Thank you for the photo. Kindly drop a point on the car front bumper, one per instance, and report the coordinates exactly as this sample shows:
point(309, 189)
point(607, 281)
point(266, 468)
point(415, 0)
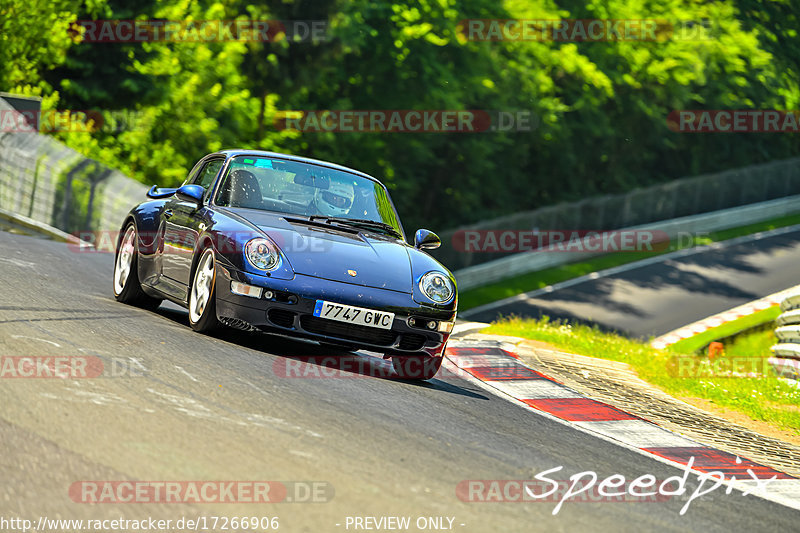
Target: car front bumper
point(290, 312)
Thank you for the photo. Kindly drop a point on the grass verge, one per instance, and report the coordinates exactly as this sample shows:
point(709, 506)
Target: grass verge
point(538, 280)
point(740, 380)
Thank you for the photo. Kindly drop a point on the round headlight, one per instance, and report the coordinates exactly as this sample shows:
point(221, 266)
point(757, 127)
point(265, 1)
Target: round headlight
point(262, 254)
point(437, 287)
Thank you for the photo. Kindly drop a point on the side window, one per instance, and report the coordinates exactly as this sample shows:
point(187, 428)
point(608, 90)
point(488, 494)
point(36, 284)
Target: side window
point(206, 176)
point(192, 174)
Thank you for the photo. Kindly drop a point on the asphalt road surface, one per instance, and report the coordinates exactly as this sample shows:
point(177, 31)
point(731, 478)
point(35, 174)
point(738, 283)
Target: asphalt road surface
point(656, 297)
point(180, 406)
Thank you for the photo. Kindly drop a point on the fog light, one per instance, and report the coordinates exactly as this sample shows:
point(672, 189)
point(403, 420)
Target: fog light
point(446, 327)
point(244, 289)
point(268, 295)
point(412, 321)
point(432, 324)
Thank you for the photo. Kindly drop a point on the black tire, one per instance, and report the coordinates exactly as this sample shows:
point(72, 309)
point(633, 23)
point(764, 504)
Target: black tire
point(416, 367)
point(127, 288)
point(203, 294)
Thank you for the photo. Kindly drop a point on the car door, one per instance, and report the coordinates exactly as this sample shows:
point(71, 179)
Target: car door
point(181, 221)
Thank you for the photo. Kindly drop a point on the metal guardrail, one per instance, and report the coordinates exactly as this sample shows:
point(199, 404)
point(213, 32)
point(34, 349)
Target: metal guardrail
point(791, 302)
point(787, 349)
point(789, 317)
point(523, 263)
point(788, 333)
point(675, 199)
point(46, 181)
point(786, 362)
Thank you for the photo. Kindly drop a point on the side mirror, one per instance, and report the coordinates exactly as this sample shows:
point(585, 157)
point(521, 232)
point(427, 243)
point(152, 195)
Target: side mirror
point(426, 240)
point(190, 193)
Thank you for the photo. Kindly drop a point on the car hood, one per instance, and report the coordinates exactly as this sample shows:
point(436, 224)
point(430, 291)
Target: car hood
point(333, 254)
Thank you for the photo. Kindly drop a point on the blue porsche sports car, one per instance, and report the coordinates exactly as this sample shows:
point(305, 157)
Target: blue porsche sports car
point(265, 241)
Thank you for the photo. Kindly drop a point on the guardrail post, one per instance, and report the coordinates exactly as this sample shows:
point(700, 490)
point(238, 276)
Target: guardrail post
point(786, 360)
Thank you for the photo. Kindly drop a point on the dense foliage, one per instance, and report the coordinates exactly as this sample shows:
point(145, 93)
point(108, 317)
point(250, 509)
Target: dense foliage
point(601, 107)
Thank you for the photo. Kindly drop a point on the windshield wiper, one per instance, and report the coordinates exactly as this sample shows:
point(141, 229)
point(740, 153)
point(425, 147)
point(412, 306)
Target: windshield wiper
point(361, 222)
point(309, 221)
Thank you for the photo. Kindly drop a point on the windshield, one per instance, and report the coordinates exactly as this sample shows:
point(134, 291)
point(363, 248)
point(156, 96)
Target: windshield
point(304, 189)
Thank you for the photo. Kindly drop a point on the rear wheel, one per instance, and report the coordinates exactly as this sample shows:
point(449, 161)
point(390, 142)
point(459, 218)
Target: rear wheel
point(202, 296)
point(127, 288)
point(416, 366)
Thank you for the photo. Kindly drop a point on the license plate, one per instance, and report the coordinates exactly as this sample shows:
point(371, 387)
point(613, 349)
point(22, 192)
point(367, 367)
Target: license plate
point(353, 315)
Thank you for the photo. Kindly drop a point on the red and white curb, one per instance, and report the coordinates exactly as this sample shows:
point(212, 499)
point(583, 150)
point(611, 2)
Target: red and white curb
point(496, 368)
point(717, 320)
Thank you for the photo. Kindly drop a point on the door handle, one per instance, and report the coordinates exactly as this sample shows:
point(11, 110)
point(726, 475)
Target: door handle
point(168, 213)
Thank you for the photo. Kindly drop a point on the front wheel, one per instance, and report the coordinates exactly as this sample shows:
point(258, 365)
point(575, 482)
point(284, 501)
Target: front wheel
point(421, 367)
point(202, 296)
point(127, 288)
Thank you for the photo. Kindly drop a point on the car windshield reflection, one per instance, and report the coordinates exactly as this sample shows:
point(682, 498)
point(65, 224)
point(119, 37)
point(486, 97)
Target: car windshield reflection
point(309, 190)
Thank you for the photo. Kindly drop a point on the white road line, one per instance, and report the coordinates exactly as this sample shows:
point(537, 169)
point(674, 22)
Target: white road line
point(184, 372)
point(627, 267)
point(18, 262)
point(36, 339)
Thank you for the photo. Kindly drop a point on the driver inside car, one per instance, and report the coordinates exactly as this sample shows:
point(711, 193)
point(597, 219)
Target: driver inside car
point(335, 201)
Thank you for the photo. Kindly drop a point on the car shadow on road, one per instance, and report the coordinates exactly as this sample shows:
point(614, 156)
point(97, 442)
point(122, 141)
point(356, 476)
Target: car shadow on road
point(305, 359)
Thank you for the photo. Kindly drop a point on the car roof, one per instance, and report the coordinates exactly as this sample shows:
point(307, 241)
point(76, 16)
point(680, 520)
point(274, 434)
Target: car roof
point(297, 158)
